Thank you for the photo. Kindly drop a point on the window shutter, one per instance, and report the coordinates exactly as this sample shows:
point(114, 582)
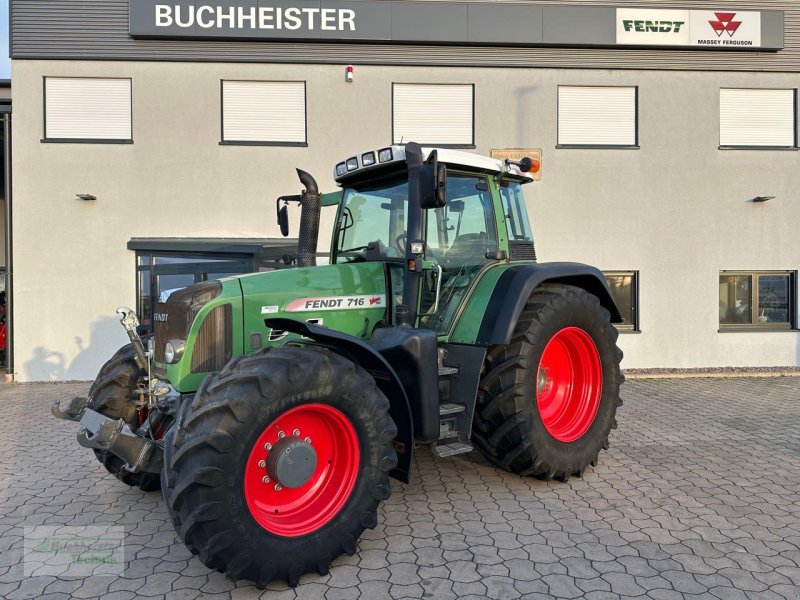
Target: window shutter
point(87, 109)
point(433, 114)
point(757, 117)
point(264, 111)
point(597, 116)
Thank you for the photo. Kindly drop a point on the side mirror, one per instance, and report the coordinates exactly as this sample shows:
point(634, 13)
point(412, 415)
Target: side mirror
point(434, 183)
point(283, 220)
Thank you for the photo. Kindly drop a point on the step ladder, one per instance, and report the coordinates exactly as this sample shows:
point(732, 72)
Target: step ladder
point(452, 438)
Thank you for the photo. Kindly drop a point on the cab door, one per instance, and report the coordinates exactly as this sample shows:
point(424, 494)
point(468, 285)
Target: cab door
point(458, 238)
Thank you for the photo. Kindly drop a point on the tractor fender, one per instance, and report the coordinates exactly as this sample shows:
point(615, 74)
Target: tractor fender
point(376, 365)
point(518, 282)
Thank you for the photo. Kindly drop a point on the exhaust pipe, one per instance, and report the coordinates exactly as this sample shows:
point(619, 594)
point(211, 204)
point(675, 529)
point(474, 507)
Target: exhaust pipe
point(311, 203)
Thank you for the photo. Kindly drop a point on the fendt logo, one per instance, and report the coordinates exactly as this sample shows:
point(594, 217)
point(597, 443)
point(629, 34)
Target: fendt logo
point(643, 26)
point(725, 24)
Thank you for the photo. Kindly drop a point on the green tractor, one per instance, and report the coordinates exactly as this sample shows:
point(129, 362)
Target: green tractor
point(272, 408)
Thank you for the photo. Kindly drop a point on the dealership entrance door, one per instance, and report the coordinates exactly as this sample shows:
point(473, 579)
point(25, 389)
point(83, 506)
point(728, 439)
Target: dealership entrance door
point(168, 264)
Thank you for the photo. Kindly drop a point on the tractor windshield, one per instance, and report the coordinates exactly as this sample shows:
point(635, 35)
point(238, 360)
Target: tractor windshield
point(458, 236)
point(373, 215)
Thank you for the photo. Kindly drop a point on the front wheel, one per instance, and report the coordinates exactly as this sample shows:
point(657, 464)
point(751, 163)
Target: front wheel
point(547, 401)
point(279, 463)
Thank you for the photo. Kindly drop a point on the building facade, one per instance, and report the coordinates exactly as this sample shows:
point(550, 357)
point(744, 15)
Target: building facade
point(668, 134)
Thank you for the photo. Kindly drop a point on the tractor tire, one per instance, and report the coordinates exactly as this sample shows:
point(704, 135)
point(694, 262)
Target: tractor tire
point(247, 513)
point(112, 395)
point(547, 401)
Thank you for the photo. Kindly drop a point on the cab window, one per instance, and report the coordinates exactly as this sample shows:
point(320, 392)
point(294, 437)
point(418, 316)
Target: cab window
point(458, 237)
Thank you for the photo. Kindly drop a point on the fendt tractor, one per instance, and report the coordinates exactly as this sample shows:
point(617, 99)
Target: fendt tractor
point(272, 408)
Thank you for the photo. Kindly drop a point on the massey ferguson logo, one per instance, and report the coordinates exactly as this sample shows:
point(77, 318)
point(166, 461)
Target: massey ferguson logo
point(725, 24)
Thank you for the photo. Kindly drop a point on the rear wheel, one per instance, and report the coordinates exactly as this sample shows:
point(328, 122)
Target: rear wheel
point(113, 394)
point(279, 463)
point(547, 401)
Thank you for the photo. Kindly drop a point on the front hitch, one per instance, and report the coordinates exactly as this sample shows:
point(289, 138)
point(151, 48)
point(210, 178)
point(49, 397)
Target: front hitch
point(71, 410)
point(113, 435)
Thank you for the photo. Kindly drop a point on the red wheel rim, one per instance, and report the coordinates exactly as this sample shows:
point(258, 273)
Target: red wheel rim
point(569, 383)
point(292, 512)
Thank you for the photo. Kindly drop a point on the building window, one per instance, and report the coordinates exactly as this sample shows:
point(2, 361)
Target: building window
point(761, 300)
point(267, 113)
point(597, 117)
point(751, 118)
point(83, 109)
point(437, 115)
point(624, 286)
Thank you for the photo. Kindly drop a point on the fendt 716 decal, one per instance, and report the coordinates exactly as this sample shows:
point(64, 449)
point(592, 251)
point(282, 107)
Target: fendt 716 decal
point(336, 303)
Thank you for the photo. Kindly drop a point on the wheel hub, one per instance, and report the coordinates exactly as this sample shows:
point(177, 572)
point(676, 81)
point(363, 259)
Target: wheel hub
point(291, 462)
point(302, 469)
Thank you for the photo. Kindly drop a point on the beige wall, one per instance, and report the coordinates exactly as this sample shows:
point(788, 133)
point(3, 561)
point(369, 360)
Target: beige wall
point(676, 210)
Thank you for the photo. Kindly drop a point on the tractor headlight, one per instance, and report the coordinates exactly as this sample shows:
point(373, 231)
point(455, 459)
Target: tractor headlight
point(173, 351)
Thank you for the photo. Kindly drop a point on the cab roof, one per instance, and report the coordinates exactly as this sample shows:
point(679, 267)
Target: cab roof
point(371, 162)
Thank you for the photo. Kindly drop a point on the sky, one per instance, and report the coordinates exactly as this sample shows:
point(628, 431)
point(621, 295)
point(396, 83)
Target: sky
point(5, 62)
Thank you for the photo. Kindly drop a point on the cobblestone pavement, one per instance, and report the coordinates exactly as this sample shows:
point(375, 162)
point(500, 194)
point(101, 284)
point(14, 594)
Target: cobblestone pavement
point(699, 496)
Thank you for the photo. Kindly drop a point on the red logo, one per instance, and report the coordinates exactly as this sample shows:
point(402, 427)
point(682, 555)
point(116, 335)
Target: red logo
point(374, 301)
point(725, 24)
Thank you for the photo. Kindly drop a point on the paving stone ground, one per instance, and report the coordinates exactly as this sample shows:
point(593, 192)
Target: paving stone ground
point(699, 496)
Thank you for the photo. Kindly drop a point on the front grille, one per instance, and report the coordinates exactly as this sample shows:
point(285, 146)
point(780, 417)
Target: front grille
point(173, 318)
point(170, 324)
point(522, 250)
point(213, 346)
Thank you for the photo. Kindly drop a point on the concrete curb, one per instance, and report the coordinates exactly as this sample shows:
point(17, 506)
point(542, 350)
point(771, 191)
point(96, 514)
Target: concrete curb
point(711, 375)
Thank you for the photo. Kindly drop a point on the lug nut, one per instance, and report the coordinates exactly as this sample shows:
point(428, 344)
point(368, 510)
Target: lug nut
point(296, 433)
point(267, 446)
point(278, 487)
point(265, 479)
point(307, 440)
point(281, 435)
point(262, 464)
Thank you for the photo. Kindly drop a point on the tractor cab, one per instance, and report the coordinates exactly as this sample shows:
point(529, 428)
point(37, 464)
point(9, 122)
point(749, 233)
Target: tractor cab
point(473, 217)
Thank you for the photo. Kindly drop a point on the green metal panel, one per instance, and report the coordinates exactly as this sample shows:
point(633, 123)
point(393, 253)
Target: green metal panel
point(350, 298)
point(469, 321)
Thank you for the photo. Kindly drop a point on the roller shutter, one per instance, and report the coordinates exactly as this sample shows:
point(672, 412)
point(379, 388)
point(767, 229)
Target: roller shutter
point(597, 116)
point(757, 117)
point(80, 108)
point(438, 114)
point(264, 112)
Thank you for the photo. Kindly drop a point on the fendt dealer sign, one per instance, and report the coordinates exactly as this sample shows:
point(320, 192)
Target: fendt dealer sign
point(464, 23)
point(715, 29)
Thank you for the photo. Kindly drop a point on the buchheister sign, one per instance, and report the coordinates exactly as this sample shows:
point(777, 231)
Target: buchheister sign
point(709, 28)
point(466, 23)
